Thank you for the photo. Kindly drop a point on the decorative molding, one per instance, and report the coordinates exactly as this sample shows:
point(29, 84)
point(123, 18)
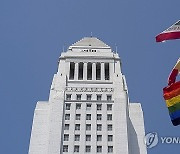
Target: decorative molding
point(88, 89)
point(91, 81)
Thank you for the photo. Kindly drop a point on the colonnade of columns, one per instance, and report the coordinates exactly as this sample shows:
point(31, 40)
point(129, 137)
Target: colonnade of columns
point(89, 71)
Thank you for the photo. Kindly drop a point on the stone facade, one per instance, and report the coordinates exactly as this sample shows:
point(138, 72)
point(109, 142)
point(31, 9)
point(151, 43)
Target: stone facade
point(88, 109)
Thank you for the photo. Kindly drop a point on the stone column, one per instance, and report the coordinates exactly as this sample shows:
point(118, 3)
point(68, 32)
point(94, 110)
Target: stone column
point(102, 72)
point(85, 71)
point(111, 71)
point(93, 71)
point(76, 71)
point(68, 69)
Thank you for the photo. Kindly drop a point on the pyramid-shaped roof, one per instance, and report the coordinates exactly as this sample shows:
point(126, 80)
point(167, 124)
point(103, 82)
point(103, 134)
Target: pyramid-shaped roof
point(90, 42)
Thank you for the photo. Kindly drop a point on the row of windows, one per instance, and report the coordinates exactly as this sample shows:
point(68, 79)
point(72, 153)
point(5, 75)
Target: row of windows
point(88, 117)
point(89, 71)
point(88, 148)
point(88, 106)
point(88, 137)
point(88, 127)
point(89, 97)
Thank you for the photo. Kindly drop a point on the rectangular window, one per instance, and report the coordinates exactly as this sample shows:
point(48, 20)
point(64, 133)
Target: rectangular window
point(89, 71)
point(65, 148)
point(76, 148)
point(99, 106)
point(106, 71)
point(77, 126)
point(88, 97)
point(98, 71)
point(77, 137)
point(109, 127)
point(78, 117)
point(99, 137)
point(66, 137)
point(66, 127)
point(68, 96)
point(99, 127)
point(71, 73)
point(68, 106)
point(99, 97)
point(99, 116)
point(80, 71)
point(88, 116)
point(110, 138)
point(88, 137)
point(78, 97)
point(67, 116)
point(88, 106)
point(109, 107)
point(88, 148)
point(78, 106)
point(109, 97)
point(110, 149)
point(99, 149)
point(109, 117)
point(88, 126)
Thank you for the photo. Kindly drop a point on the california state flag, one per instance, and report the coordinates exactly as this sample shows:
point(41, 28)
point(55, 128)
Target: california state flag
point(172, 32)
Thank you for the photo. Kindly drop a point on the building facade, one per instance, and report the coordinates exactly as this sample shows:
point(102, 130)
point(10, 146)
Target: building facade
point(88, 111)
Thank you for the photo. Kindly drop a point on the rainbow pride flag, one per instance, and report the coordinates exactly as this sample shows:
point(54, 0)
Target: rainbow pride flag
point(172, 98)
point(171, 95)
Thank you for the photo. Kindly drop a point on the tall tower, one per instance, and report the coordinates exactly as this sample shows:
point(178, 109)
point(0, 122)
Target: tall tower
point(88, 111)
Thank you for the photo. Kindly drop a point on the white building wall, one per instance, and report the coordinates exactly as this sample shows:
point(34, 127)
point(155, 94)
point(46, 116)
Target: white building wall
point(127, 122)
point(136, 129)
point(56, 119)
point(40, 129)
point(120, 115)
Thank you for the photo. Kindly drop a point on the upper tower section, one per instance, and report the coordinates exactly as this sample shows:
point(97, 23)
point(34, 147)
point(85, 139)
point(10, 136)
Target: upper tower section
point(90, 59)
point(89, 47)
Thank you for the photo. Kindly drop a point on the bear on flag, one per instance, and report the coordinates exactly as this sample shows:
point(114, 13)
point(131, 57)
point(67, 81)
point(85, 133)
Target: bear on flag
point(171, 33)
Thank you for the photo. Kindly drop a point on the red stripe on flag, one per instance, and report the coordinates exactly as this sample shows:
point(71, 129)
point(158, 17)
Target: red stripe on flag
point(172, 87)
point(171, 94)
point(168, 36)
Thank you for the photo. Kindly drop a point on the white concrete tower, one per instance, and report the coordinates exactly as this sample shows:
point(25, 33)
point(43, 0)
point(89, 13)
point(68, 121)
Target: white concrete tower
point(88, 111)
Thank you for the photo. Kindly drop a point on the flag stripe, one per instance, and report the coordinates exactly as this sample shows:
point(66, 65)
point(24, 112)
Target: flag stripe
point(176, 122)
point(175, 115)
point(174, 108)
point(172, 94)
point(167, 36)
point(172, 87)
point(172, 101)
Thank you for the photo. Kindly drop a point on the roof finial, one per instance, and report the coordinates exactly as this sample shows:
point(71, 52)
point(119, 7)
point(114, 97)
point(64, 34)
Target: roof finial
point(116, 47)
point(91, 34)
point(63, 47)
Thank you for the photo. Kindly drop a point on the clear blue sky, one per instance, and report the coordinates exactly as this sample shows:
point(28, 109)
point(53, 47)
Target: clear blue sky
point(32, 35)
